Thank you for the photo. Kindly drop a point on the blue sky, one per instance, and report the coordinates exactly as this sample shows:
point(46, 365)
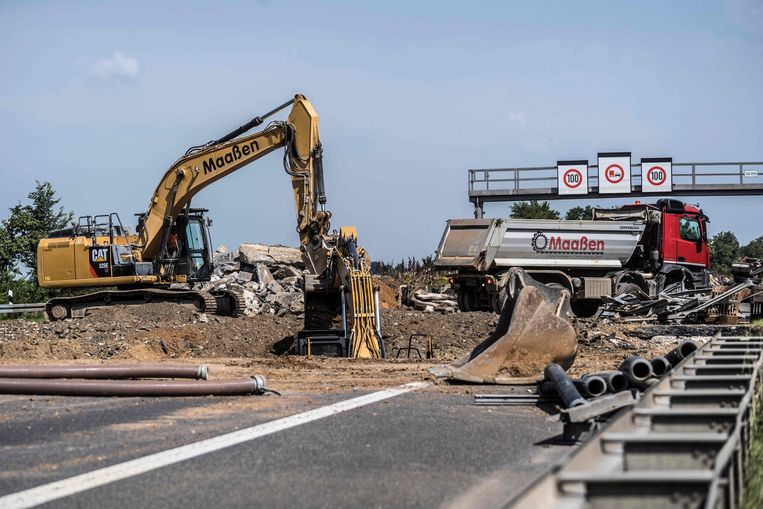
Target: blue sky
point(100, 98)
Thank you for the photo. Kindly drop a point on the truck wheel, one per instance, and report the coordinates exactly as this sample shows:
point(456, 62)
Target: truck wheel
point(626, 288)
point(557, 286)
point(584, 308)
point(465, 301)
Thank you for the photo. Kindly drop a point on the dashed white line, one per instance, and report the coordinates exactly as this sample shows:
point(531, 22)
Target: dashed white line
point(83, 482)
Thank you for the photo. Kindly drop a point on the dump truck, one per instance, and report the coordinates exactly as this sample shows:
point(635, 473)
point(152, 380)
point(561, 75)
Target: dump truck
point(646, 247)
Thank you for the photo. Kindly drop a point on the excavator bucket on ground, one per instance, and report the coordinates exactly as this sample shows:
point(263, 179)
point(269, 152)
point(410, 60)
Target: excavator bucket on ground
point(533, 330)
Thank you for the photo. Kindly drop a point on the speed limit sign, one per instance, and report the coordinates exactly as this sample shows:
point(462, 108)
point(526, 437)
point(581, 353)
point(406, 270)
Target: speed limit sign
point(656, 175)
point(572, 177)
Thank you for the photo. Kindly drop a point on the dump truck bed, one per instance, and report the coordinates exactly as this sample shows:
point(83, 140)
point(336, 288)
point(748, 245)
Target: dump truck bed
point(482, 244)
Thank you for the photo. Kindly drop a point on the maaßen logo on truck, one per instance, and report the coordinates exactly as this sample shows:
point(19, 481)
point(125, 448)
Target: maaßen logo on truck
point(556, 244)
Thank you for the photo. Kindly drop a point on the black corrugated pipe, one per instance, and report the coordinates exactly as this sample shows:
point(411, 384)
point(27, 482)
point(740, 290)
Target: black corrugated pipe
point(616, 380)
point(636, 369)
point(644, 385)
point(107, 371)
point(42, 387)
point(589, 386)
point(680, 352)
point(660, 366)
point(564, 386)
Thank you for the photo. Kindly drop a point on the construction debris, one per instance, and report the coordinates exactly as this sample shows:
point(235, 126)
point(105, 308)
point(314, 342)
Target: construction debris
point(421, 338)
point(677, 304)
point(748, 268)
point(428, 301)
point(634, 373)
point(587, 402)
point(270, 278)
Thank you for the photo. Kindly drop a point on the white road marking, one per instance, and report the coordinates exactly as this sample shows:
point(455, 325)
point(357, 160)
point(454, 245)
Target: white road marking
point(83, 482)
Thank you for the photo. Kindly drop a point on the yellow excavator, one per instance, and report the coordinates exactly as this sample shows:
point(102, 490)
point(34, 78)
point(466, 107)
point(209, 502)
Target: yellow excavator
point(171, 246)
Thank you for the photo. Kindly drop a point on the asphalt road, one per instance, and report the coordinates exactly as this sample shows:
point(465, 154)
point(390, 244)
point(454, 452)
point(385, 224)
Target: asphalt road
point(427, 448)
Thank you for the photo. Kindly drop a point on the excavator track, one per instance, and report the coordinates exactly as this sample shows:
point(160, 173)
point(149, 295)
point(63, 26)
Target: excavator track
point(210, 302)
point(60, 308)
point(229, 302)
point(240, 303)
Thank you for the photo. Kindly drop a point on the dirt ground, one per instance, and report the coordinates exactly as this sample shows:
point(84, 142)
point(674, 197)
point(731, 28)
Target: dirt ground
point(258, 344)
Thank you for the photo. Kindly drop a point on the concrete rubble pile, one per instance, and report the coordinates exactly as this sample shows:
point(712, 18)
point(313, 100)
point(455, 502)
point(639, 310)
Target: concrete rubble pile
point(427, 301)
point(269, 277)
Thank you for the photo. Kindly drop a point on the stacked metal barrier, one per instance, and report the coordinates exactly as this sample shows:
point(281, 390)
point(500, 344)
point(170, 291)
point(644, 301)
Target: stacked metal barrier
point(684, 444)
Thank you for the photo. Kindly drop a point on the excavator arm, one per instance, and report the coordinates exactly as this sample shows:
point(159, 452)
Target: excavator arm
point(205, 164)
point(337, 265)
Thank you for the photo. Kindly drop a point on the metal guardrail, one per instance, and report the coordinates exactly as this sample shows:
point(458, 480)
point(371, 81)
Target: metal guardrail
point(9, 309)
point(540, 182)
point(685, 444)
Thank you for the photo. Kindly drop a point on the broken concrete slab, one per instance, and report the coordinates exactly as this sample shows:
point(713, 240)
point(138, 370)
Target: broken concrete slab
point(264, 276)
point(291, 301)
point(275, 287)
point(270, 255)
point(243, 277)
point(295, 281)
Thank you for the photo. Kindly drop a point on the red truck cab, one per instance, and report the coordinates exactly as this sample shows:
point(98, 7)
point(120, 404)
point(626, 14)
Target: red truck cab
point(684, 237)
point(678, 240)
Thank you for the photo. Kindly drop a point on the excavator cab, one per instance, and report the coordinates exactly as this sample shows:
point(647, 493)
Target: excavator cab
point(186, 250)
point(194, 245)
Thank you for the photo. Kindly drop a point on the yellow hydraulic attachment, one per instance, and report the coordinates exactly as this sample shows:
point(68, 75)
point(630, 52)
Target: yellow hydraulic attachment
point(364, 340)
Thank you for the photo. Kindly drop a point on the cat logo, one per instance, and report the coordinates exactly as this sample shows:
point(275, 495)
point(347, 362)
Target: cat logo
point(99, 254)
point(99, 261)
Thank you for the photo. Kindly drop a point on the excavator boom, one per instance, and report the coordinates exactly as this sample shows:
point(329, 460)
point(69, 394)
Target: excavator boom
point(207, 164)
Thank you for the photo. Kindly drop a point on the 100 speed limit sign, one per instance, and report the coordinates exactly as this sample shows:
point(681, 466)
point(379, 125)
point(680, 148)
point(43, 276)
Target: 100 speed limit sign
point(656, 175)
point(572, 177)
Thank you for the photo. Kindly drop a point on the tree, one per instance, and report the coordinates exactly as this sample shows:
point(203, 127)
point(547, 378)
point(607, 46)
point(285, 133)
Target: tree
point(7, 250)
point(724, 249)
point(579, 213)
point(533, 210)
point(754, 249)
point(26, 225)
